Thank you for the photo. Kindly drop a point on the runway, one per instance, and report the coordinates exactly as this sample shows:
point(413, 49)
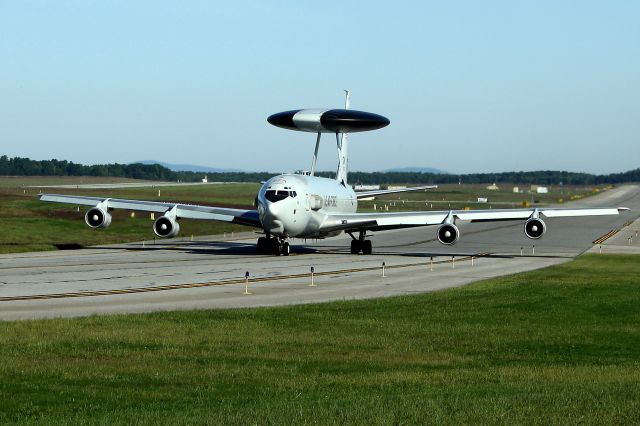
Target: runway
point(209, 272)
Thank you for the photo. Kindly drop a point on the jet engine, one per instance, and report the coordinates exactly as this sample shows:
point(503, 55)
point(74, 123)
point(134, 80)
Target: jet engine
point(448, 233)
point(166, 227)
point(534, 228)
point(97, 218)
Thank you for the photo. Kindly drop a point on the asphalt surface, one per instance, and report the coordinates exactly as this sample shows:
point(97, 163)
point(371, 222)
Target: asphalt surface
point(210, 272)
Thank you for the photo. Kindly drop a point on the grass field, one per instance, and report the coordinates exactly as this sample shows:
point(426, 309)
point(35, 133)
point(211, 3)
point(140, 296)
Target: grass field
point(30, 225)
point(554, 346)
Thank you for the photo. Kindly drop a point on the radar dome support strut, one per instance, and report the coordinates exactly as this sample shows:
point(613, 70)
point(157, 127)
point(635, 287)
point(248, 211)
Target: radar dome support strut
point(315, 155)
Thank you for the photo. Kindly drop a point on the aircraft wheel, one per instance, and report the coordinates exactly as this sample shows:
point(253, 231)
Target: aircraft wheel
point(263, 245)
point(276, 247)
point(367, 247)
point(286, 249)
point(355, 247)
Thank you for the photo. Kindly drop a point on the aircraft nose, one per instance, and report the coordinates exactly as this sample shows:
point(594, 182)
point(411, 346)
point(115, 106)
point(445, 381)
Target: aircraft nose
point(274, 210)
point(272, 219)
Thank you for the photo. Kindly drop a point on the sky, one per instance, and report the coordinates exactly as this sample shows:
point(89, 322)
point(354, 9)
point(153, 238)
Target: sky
point(469, 86)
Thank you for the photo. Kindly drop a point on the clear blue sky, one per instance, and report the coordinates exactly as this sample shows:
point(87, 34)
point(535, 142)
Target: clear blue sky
point(469, 86)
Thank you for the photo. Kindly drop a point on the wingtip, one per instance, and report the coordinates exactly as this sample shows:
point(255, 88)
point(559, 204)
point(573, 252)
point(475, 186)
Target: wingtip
point(623, 209)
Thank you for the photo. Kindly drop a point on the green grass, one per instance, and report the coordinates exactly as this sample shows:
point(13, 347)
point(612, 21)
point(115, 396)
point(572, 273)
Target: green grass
point(554, 346)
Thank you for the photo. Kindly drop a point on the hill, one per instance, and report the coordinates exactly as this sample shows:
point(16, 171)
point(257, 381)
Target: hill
point(187, 167)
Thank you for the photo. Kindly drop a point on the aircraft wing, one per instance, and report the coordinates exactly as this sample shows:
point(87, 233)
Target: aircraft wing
point(383, 221)
point(187, 211)
point(367, 194)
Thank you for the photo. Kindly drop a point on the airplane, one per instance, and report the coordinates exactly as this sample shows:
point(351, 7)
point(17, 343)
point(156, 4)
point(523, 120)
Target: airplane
point(303, 205)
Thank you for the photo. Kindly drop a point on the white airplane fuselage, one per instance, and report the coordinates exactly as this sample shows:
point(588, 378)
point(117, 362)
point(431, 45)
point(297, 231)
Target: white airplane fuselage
point(292, 205)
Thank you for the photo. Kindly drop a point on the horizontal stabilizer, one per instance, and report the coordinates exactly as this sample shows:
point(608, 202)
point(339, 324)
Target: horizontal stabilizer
point(376, 193)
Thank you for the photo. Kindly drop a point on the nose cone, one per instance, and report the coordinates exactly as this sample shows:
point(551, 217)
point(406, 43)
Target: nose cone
point(283, 119)
point(272, 220)
point(349, 121)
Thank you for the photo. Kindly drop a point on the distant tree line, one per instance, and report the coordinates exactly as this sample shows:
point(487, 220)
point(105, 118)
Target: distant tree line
point(17, 166)
point(542, 177)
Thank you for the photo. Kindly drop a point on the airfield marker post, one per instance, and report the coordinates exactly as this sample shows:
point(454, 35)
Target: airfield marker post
point(533, 251)
point(521, 251)
point(471, 260)
point(312, 273)
point(453, 262)
point(600, 248)
point(246, 283)
point(383, 265)
point(431, 264)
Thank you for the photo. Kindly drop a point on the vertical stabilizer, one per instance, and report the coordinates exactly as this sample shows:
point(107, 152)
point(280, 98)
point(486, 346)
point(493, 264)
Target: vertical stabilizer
point(342, 140)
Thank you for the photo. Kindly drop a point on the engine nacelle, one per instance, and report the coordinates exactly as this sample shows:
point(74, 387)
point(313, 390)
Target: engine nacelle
point(166, 227)
point(448, 233)
point(97, 218)
point(534, 228)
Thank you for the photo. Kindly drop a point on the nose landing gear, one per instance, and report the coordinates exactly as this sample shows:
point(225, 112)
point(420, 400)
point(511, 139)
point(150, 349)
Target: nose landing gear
point(275, 245)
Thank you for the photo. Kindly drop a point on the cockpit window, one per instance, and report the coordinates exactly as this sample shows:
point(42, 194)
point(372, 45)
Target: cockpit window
point(275, 196)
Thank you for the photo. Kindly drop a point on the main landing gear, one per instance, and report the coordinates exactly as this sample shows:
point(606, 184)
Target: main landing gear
point(275, 245)
point(360, 244)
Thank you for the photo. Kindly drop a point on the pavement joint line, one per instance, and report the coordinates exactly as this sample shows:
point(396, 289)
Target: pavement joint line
point(221, 283)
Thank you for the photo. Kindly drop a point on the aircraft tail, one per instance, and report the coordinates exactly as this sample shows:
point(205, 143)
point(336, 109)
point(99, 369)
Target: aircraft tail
point(342, 140)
